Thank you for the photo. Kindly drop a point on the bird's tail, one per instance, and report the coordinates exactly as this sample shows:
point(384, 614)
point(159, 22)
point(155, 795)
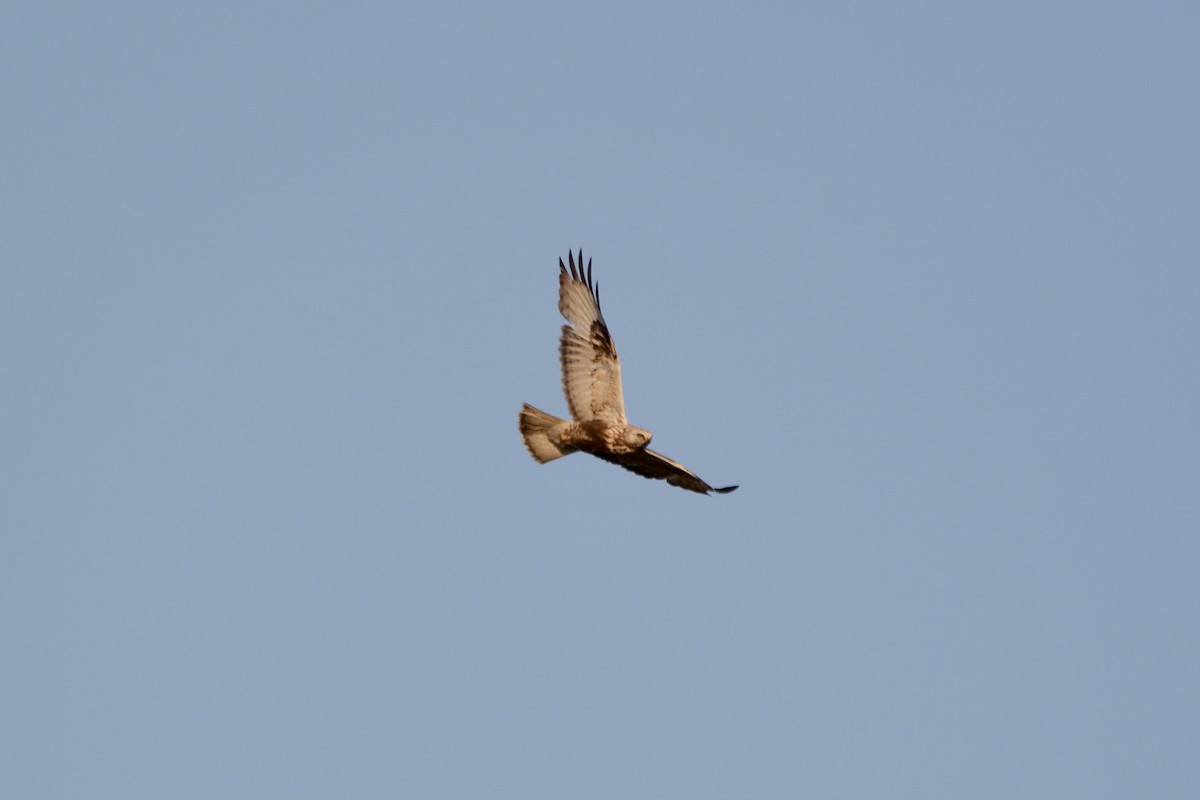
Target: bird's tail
point(541, 433)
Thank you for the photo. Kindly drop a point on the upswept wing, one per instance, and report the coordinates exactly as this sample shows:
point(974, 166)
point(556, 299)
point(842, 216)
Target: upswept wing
point(591, 372)
point(650, 464)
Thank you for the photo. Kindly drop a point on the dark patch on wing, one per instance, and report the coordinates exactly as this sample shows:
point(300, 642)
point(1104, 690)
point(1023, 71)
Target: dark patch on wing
point(650, 464)
point(601, 339)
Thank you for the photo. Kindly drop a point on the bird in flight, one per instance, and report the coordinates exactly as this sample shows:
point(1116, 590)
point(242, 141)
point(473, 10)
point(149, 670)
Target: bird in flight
point(591, 376)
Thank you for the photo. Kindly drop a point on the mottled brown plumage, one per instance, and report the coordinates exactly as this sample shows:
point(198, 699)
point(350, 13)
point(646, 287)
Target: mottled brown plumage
point(591, 377)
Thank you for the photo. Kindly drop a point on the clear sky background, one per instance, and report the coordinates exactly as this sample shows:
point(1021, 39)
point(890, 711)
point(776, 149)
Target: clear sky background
point(923, 278)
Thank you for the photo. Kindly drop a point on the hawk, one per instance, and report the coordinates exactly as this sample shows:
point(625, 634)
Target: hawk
point(591, 376)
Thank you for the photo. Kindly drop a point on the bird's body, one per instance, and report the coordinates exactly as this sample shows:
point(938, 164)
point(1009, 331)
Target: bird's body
point(591, 374)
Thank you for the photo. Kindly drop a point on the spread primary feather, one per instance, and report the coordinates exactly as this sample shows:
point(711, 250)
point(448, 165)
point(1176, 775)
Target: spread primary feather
point(591, 377)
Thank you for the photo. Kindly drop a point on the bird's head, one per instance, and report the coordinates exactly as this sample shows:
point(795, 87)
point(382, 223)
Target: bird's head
point(637, 438)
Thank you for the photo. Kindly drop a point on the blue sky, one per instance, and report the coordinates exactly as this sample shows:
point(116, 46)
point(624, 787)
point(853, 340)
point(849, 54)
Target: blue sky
point(923, 279)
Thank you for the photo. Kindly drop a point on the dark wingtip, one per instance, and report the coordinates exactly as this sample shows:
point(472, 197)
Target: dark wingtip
point(725, 489)
point(575, 275)
point(579, 272)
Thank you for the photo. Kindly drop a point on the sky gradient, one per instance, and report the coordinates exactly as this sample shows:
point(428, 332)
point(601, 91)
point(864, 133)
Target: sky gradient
point(924, 280)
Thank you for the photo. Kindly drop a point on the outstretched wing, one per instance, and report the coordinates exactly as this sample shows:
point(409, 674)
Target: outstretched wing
point(591, 373)
point(655, 465)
